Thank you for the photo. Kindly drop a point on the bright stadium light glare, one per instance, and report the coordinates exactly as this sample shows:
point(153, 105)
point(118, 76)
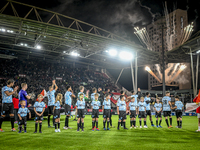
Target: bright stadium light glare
point(147, 68)
point(3, 30)
point(38, 47)
point(112, 52)
point(21, 44)
point(183, 67)
point(25, 44)
point(126, 55)
point(75, 54)
point(64, 51)
point(198, 51)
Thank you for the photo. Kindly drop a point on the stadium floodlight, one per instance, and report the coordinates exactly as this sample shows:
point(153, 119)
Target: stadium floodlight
point(25, 44)
point(198, 52)
point(125, 55)
point(21, 44)
point(3, 30)
point(38, 47)
point(64, 51)
point(75, 54)
point(112, 52)
point(147, 68)
point(183, 67)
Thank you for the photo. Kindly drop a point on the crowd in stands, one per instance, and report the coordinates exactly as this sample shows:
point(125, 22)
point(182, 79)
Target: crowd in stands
point(38, 74)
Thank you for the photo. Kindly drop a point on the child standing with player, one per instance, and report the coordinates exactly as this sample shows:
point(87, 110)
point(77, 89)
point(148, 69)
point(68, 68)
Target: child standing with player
point(39, 108)
point(133, 112)
point(142, 112)
point(95, 111)
point(178, 108)
point(106, 111)
point(22, 114)
point(56, 111)
point(80, 112)
point(158, 109)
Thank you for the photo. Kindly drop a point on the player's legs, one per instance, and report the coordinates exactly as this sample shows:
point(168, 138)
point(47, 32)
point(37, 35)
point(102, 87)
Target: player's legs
point(12, 120)
point(20, 126)
point(166, 119)
point(150, 118)
point(160, 122)
point(93, 123)
point(119, 121)
point(96, 120)
point(140, 120)
point(134, 122)
point(40, 127)
point(177, 122)
point(1, 121)
point(108, 122)
point(82, 126)
point(170, 119)
point(104, 123)
point(157, 121)
point(145, 123)
point(124, 124)
point(180, 120)
point(36, 125)
point(78, 124)
point(55, 124)
point(49, 115)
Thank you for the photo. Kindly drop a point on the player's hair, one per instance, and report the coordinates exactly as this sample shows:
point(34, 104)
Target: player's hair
point(59, 98)
point(121, 96)
point(132, 91)
point(96, 94)
point(157, 98)
point(108, 89)
point(10, 81)
point(132, 98)
point(147, 93)
point(121, 92)
point(81, 87)
point(21, 101)
point(50, 87)
point(167, 92)
point(141, 98)
point(177, 96)
point(39, 95)
point(23, 84)
point(68, 87)
point(106, 95)
point(94, 89)
point(81, 94)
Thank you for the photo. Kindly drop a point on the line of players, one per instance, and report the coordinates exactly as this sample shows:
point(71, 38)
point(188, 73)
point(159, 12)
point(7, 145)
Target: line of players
point(54, 104)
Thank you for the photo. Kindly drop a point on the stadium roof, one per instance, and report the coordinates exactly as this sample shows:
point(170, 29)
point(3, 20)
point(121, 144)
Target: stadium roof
point(40, 33)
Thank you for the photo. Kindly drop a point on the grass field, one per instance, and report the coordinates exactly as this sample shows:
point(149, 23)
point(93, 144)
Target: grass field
point(151, 138)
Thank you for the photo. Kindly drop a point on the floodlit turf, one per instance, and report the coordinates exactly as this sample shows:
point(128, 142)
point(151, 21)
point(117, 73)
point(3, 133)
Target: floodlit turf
point(151, 138)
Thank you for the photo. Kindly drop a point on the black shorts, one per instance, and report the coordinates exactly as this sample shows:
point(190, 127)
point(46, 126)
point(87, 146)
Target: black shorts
point(166, 113)
point(67, 109)
point(158, 115)
point(106, 113)
point(38, 118)
point(110, 113)
point(178, 114)
point(56, 114)
point(50, 110)
point(122, 115)
point(8, 108)
point(142, 114)
point(148, 112)
point(23, 121)
point(95, 113)
point(80, 113)
point(133, 114)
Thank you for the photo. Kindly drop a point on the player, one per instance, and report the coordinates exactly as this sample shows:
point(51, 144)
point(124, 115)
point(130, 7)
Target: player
point(80, 112)
point(51, 101)
point(197, 101)
point(121, 111)
point(16, 107)
point(94, 91)
point(147, 100)
point(178, 108)
point(68, 101)
point(95, 111)
point(23, 94)
point(56, 111)
point(22, 114)
point(142, 111)
point(133, 112)
point(39, 108)
point(158, 109)
point(106, 111)
point(7, 103)
point(166, 100)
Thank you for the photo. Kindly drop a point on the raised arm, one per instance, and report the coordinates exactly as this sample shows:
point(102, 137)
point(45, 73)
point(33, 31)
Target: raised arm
point(11, 93)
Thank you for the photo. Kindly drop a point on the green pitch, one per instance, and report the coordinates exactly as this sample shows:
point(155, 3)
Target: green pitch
point(151, 138)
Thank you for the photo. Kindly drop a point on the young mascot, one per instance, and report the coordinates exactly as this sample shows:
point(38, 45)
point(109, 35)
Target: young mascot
point(133, 109)
point(106, 111)
point(142, 112)
point(95, 111)
point(80, 112)
point(22, 114)
point(56, 111)
point(158, 109)
point(39, 108)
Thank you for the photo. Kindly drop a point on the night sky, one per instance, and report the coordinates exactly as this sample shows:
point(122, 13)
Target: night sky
point(120, 17)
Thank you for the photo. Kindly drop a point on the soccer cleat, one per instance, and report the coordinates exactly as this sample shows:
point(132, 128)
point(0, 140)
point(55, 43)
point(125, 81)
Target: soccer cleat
point(135, 127)
point(104, 128)
point(177, 127)
point(125, 128)
point(40, 132)
point(157, 126)
point(25, 131)
point(180, 127)
point(108, 128)
point(82, 130)
point(160, 126)
point(197, 130)
point(153, 125)
point(92, 129)
point(97, 129)
point(77, 130)
point(117, 128)
point(65, 128)
point(131, 127)
point(170, 126)
point(49, 126)
point(20, 132)
point(145, 126)
point(140, 126)
point(56, 130)
point(69, 127)
point(59, 130)
point(1, 130)
point(35, 132)
point(13, 129)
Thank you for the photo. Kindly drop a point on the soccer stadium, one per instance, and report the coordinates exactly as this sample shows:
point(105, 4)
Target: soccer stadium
point(66, 83)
